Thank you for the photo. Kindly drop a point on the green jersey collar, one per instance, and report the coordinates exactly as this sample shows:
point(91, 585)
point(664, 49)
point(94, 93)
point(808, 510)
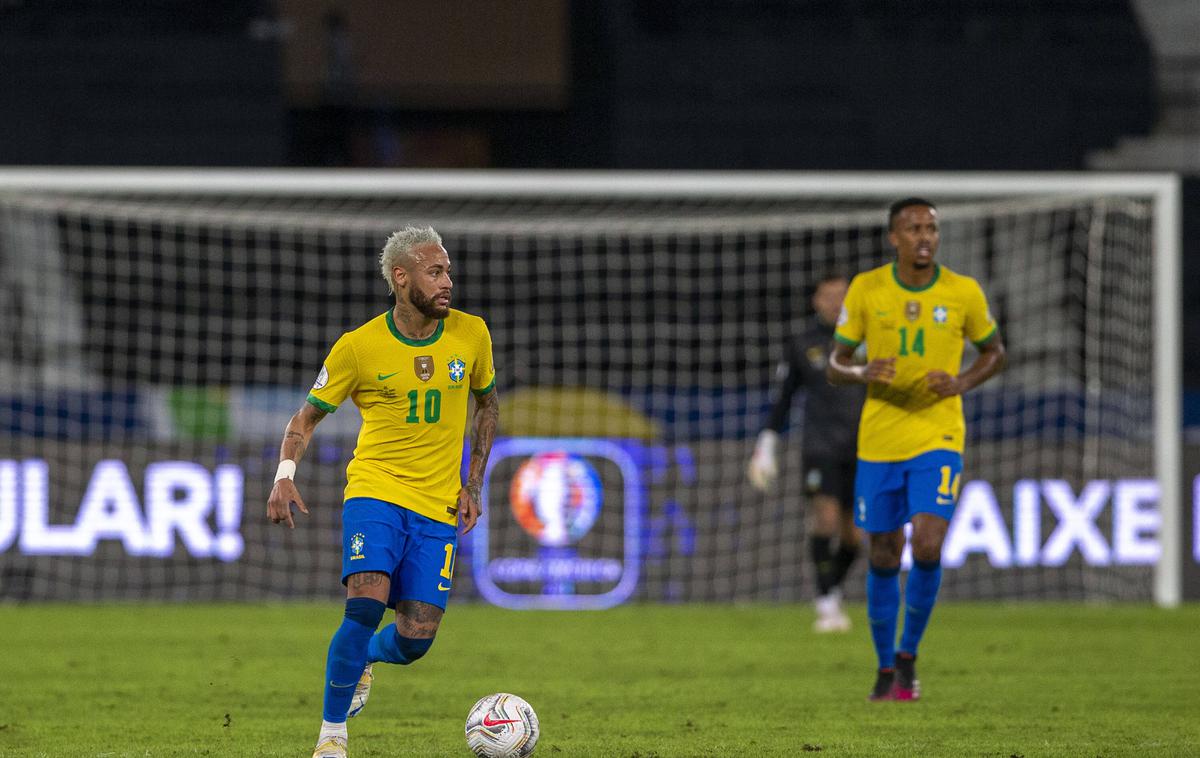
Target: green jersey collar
point(437, 332)
point(937, 271)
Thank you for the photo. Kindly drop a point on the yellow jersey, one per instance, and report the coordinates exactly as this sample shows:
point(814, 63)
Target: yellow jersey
point(923, 329)
point(413, 398)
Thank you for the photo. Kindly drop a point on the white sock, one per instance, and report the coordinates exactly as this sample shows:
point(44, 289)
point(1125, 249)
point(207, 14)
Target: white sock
point(330, 729)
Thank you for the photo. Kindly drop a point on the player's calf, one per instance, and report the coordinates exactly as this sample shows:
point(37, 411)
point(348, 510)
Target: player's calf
point(389, 646)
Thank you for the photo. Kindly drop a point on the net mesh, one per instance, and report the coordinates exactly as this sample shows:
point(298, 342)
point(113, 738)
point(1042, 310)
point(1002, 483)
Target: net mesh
point(157, 344)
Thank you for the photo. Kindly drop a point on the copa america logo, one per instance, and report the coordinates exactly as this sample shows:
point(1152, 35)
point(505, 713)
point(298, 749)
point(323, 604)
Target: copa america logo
point(556, 488)
point(556, 497)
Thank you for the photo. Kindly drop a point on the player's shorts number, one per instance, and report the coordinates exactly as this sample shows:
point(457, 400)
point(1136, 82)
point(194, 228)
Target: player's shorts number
point(948, 487)
point(433, 406)
point(918, 342)
point(448, 566)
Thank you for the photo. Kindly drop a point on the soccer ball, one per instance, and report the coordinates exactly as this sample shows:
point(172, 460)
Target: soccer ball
point(502, 726)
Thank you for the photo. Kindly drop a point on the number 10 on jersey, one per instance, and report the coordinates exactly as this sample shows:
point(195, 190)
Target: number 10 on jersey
point(433, 406)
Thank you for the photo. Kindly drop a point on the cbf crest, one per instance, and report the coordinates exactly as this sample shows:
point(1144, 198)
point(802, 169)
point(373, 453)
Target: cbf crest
point(458, 369)
point(423, 366)
point(912, 310)
point(356, 546)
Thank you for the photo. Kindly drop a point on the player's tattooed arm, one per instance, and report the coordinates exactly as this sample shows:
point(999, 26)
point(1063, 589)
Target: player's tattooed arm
point(483, 434)
point(299, 431)
point(284, 494)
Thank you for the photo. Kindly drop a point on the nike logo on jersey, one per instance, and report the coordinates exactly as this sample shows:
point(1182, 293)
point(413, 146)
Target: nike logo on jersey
point(381, 377)
point(442, 587)
point(489, 721)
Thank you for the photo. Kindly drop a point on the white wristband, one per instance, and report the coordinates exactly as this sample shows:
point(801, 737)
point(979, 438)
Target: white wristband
point(286, 470)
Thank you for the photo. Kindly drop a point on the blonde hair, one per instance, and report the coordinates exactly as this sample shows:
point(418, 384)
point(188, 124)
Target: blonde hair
point(397, 251)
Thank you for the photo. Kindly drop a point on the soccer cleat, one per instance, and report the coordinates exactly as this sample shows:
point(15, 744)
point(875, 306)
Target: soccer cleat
point(884, 685)
point(906, 686)
point(830, 616)
point(332, 746)
point(362, 691)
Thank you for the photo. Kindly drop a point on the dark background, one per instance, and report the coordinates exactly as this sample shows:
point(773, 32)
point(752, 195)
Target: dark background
point(672, 84)
point(625, 84)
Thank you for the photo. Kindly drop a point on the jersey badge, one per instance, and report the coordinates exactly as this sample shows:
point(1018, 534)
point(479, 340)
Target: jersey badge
point(356, 546)
point(940, 314)
point(423, 365)
point(322, 378)
point(458, 369)
point(912, 310)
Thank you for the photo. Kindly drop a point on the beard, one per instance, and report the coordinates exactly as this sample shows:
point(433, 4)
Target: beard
point(426, 306)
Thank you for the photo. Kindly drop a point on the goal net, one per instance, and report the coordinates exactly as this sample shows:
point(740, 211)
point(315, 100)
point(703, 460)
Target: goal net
point(162, 327)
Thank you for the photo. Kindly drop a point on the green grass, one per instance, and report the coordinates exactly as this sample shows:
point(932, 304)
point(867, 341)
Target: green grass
point(234, 680)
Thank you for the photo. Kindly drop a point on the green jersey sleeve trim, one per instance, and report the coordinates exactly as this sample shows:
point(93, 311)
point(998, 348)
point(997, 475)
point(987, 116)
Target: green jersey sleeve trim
point(437, 333)
point(485, 390)
point(847, 341)
point(318, 402)
point(985, 339)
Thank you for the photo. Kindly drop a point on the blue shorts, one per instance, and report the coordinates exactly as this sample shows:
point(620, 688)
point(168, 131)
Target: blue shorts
point(888, 494)
point(414, 550)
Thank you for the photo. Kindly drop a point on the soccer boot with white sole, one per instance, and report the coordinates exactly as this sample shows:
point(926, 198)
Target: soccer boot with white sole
point(906, 686)
point(362, 691)
point(830, 616)
point(885, 682)
point(332, 746)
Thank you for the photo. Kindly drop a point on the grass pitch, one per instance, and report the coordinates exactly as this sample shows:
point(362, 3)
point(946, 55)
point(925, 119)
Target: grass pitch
point(234, 680)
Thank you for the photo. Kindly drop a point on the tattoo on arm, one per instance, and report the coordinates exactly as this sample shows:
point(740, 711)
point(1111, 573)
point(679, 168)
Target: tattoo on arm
point(299, 431)
point(294, 445)
point(483, 434)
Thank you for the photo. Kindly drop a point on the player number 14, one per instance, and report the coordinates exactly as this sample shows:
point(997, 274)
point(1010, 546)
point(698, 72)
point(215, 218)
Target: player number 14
point(918, 341)
point(948, 487)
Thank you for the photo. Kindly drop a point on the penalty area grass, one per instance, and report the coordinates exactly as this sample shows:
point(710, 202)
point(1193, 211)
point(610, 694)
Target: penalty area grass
point(639, 681)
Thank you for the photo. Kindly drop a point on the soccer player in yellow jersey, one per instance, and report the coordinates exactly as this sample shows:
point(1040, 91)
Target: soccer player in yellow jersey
point(409, 371)
point(914, 316)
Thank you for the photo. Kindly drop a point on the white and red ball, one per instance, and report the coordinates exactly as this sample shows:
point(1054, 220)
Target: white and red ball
point(502, 726)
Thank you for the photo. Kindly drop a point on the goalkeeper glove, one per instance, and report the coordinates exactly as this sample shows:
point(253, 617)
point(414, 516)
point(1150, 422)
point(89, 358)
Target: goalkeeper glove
point(763, 469)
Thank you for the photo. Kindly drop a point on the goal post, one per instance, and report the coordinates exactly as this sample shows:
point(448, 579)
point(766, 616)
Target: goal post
point(637, 316)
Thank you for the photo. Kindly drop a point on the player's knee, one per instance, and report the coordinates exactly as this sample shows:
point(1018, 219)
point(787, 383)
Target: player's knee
point(417, 620)
point(927, 548)
point(885, 553)
point(927, 552)
point(413, 648)
point(365, 611)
